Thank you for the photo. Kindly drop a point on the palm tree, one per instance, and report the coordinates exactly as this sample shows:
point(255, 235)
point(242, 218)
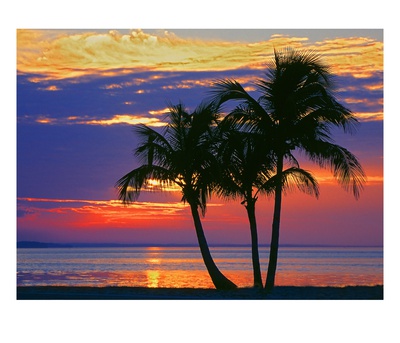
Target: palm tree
point(247, 172)
point(296, 112)
point(243, 175)
point(247, 164)
point(181, 155)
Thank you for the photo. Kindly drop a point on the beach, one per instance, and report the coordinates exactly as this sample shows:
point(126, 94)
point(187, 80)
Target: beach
point(144, 293)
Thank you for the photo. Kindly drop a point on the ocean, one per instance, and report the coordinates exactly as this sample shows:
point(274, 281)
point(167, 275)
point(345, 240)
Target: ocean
point(182, 267)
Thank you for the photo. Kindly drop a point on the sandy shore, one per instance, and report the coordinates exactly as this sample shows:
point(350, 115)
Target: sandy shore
point(138, 293)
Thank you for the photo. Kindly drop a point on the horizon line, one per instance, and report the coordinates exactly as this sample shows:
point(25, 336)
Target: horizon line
point(32, 244)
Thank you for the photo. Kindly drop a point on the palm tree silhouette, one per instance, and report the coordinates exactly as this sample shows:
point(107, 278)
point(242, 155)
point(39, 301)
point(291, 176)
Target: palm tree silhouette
point(183, 155)
point(244, 173)
point(296, 112)
point(247, 164)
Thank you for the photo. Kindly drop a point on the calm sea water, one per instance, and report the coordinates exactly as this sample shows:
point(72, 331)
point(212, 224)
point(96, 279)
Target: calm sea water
point(184, 267)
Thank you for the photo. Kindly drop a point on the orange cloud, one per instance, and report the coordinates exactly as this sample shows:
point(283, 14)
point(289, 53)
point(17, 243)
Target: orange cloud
point(126, 119)
point(111, 211)
point(374, 87)
point(98, 214)
point(44, 120)
point(129, 119)
point(58, 55)
point(159, 112)
point(369, 116)
point(50, 88)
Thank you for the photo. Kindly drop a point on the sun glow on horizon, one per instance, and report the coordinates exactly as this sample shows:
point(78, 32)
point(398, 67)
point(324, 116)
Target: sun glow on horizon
point(81, 94)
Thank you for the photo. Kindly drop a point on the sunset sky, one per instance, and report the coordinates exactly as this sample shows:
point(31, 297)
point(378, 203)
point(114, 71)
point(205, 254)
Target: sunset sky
point(79, 93)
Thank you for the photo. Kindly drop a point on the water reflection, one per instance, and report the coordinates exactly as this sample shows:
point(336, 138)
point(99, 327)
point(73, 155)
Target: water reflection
point(153, 274)
point(153, 277)
point(184, 267)
point(183, 279)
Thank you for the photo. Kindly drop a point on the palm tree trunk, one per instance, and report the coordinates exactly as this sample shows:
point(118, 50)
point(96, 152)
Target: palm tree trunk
point(273, 253)
point(218, 279)
point(251, 213)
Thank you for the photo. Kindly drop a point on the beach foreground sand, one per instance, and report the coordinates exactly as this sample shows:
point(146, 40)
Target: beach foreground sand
point(142, 293)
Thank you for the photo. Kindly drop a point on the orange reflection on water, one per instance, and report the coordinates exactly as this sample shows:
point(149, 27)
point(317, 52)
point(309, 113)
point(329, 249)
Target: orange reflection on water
point(153, 248)
point(164, 279)
point(327, 279)
point(153, 277)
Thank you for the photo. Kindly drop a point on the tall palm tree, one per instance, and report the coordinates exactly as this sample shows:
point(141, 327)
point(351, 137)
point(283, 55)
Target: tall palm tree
point(247, 164)
point(247, 172)
point(182, 155)
point(295, 113)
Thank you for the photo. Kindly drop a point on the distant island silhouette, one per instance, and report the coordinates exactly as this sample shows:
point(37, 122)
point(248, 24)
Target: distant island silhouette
point(30, 244)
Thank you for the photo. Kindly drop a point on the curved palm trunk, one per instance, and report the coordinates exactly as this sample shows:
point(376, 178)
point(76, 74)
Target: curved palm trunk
point(218, 279)
point(251, 213)
point(273, 253)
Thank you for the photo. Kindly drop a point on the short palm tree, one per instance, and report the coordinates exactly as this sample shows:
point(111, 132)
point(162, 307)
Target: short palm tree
point(295, 113)
point(182, 155)
point(243, 174)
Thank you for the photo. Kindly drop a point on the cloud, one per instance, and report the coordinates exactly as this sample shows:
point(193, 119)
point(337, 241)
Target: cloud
point(57, 55)
point(127, 119)
point(109, 210)
point(324, 178)
point(45, 120)
point(159, 112)
point(52, 88)
point(359, 56)
point(369, 116)
point(78, 213)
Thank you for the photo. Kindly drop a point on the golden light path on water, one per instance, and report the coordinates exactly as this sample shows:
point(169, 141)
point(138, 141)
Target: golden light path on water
point(157, 267)
point(153, 276)
point(185, 279)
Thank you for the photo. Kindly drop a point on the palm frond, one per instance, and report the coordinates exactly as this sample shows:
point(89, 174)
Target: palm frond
point(301, 179)
point(153, 147)
point(226, 90)
point(130, 185)
point(291, 179)
point(345, 166)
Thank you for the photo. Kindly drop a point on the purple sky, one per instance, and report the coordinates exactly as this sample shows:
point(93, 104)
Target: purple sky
point(77, 102)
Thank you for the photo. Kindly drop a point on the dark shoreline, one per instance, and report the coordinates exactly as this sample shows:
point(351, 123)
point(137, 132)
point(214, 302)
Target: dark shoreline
point(142, 293)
